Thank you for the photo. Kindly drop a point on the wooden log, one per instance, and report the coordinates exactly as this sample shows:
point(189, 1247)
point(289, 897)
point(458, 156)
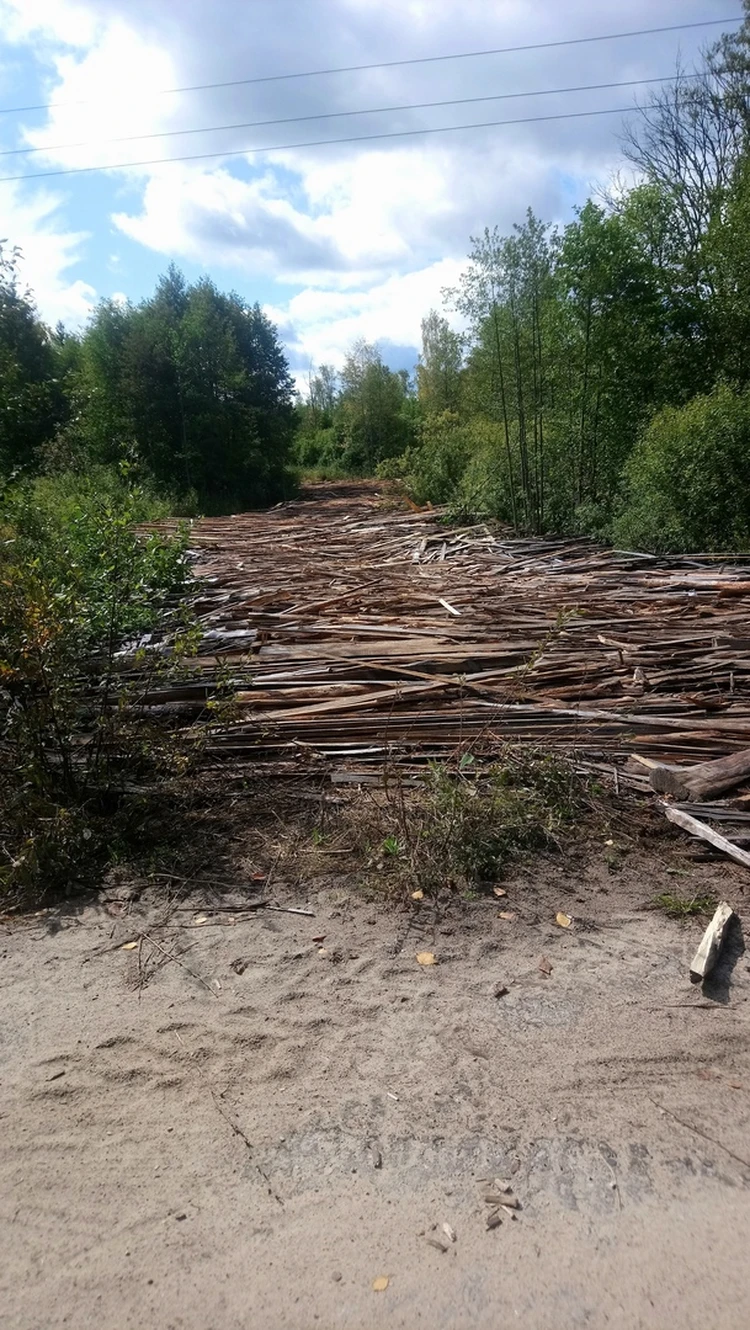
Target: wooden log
point(704, 781)
point(707, 954)
point(700, 829)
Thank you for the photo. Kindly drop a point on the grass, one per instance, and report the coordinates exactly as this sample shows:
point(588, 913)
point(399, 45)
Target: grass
point(461, 827)
point(682, 907)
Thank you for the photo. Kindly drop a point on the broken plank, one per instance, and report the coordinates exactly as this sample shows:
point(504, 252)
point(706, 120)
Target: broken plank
point(707, 954)
point(699, 829)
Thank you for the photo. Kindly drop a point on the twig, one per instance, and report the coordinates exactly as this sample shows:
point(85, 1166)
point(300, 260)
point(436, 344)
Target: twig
point(171, 956)
point(246, 1139)
point(737, 1158)
point(289, 909)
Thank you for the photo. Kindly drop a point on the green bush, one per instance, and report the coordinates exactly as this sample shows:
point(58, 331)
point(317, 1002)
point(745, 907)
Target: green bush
point(688, 480)
point(455, 463)
point(77, 585)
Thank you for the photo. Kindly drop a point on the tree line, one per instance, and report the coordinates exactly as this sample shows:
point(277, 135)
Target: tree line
point(602, 383)
point(190, 389)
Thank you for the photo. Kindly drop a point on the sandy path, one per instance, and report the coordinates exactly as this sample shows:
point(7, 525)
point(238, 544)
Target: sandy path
point(372, 1096)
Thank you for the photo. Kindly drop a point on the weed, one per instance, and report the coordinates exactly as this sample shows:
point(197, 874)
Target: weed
point(462, 826)
point(682, 907)
point(392, 846)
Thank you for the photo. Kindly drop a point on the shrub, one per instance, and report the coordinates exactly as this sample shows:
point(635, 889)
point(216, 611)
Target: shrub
point(76, 584)
point(464, 826)
point(687, 480)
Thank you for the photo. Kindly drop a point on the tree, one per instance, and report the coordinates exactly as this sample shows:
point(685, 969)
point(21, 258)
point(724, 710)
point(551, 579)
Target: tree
point(439, 368)
point(374, 412)
point(687, 480)
point(192, 384)
point(31, 402)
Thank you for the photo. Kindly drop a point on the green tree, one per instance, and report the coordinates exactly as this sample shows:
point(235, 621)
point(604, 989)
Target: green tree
point(194, 386)
point(31, 401)
point(439, 368)
point(375, 409)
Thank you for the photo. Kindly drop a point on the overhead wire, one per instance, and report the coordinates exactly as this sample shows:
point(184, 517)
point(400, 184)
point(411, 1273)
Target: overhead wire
point(396, 64)
point(337, 115)
point(313, 143)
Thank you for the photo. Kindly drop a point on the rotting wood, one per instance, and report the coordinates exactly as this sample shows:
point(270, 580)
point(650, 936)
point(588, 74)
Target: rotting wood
point(699, 829)
point(704, 781)
point(707, 954)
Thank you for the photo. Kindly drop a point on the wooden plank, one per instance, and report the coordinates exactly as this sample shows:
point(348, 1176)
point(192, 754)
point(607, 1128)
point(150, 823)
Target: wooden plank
point(699, 829)
point(707, 954)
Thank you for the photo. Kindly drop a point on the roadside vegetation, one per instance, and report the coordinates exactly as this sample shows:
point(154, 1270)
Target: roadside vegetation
point(465, 825)
point(82, 597)
point(601, 381)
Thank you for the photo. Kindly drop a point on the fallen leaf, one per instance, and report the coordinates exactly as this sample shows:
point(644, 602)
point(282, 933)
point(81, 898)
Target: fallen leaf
point(564, 920)
point(449, 1232)
point(417, 895)
point(506, 914)
point(500, 891)
point(128, 946)
point(426, 958)
point(545, 966)
point(380, 1284)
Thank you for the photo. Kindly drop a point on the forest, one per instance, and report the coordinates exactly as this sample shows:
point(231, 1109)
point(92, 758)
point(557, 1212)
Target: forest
point(600, 383)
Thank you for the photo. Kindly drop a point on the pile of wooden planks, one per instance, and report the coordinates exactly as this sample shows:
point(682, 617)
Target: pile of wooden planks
point(350, 630)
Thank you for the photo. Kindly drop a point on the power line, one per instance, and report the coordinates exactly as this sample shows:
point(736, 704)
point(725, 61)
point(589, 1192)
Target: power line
point(315, 143)
point(337, 115)
point(396, 64)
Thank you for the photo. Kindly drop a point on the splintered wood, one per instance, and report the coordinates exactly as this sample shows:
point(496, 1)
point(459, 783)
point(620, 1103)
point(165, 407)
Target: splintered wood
point(350, 633)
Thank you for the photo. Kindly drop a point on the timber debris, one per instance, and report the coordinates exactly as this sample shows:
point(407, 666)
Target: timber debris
point(349, 635)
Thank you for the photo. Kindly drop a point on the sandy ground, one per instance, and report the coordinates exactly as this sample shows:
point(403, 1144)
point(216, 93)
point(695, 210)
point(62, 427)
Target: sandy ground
point(256, 1149)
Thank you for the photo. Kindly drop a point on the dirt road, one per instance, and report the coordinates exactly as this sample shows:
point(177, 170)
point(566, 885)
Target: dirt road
point(248, 1119)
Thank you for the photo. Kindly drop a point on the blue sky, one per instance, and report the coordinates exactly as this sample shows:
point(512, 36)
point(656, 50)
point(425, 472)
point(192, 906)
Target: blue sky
point(339, 241)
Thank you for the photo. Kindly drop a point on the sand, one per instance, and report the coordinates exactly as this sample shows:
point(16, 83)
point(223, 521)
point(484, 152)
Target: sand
point(257, 1149)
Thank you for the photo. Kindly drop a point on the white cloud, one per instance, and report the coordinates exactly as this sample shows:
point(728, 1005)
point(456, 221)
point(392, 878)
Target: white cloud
point(321, 325)
point(48, 252)
point(368, 231)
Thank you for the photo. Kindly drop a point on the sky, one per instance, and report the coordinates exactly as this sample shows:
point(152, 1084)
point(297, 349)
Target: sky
point(336, 241)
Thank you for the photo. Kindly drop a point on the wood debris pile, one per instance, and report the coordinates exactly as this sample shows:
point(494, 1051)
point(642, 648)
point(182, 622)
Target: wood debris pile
point(351, 632)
